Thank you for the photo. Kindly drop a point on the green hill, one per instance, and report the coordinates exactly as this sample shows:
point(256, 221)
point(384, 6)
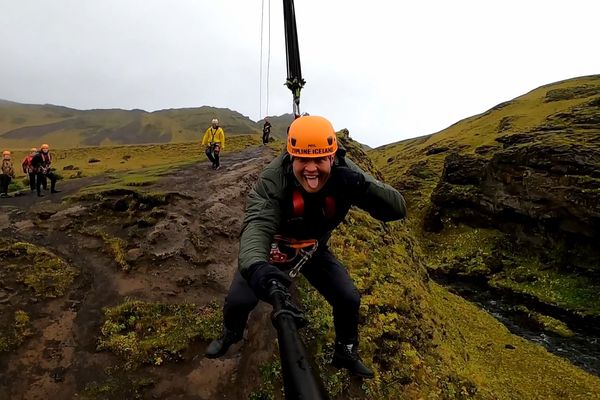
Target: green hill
point(26, 125)
point(512, 196)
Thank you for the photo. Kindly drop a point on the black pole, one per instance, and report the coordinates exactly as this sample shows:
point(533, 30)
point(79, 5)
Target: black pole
point(292, 54)
point(300, 380)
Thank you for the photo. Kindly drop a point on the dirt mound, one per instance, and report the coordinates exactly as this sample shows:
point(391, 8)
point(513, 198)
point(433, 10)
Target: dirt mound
point(171, 242)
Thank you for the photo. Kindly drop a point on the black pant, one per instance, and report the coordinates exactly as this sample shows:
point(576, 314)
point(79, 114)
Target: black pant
point(4, 182)
point(41, 178)
point(212, 152)
point(32, 176)
point(325, 274)
point(266, 137)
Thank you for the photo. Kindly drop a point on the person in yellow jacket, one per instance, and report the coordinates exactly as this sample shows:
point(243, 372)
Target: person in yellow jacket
point(214, 140)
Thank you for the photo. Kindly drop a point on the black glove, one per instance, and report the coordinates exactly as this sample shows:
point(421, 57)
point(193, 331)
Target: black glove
point(261, 276)
point(347, 182)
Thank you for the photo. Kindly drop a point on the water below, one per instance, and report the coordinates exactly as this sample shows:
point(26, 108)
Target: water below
point(582, 349)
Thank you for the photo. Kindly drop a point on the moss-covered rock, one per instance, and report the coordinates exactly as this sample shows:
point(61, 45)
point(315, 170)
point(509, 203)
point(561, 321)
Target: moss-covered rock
point(46, 274)
point(154, 333)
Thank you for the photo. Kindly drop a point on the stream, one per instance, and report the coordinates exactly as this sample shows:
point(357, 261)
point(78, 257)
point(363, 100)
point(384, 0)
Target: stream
point(582, 349)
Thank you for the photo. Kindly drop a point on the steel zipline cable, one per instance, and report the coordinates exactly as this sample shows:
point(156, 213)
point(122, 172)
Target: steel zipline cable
point(268, 45)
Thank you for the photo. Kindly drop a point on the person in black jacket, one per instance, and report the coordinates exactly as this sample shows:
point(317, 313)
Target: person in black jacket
point(41, 163)
point(298, 200)
point(266, 132)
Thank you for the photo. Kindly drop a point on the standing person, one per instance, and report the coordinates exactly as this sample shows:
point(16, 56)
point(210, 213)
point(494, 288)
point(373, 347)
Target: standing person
point(7, 173)
point(297, 202)
point(28, 168)
point(41, 162)
point(214, 140)
point(266, 132)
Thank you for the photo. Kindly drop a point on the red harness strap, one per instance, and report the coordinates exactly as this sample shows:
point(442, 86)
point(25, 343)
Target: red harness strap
point(298, 205)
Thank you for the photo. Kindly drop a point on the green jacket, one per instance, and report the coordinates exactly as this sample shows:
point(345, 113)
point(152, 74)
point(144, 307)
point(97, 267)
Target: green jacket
point(269, 204)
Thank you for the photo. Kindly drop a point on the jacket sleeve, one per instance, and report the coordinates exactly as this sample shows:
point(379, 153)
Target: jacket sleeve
point(205, 138)
point(262, 219)
point(380, 200)
point(222, 135)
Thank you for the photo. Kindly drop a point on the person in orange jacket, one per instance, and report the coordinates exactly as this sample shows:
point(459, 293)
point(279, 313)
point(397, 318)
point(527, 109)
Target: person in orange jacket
point(28, 168)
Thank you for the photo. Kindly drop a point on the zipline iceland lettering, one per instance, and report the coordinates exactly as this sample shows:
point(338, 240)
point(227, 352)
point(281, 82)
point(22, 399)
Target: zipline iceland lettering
point(326, 150)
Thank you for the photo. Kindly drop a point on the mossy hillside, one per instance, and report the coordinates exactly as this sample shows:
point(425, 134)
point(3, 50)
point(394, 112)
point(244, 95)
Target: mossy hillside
point(14, 329)
point(547, 131)
point(153, 333)
point(529, 275)
point(488, 254)
point(501, 365)
point(44, 273)
point(416, 164)
point(422, 341)
point(419, 338)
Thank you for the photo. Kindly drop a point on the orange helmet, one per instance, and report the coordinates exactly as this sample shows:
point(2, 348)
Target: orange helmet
point(45, 147)
point(311, 136)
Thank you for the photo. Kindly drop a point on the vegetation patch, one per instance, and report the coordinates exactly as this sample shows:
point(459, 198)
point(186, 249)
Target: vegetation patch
point(153, 333)
point(270, 377)
point(115, 245)
point(14, 329)
point(544, 322)
point(502, 366)
point(573, 292)
point(46, 274)
point(119, 384)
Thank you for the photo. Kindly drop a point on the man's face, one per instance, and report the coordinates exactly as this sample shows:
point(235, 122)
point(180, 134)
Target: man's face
point(214, 125)
point(45, 151)
point(312, 173)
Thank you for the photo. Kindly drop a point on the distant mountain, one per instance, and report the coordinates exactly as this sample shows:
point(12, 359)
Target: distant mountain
point(26, 125)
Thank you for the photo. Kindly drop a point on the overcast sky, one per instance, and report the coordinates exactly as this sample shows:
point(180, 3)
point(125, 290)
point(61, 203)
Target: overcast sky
point(384, 69)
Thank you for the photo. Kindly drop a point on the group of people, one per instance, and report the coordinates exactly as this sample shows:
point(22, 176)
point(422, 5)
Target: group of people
point(213, 141)
point(36, 165)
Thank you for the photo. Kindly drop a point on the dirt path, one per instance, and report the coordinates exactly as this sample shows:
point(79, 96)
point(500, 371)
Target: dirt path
point(187, 254)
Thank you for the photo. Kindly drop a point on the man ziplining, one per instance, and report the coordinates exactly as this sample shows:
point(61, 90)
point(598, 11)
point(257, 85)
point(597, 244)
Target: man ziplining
point(301, 197)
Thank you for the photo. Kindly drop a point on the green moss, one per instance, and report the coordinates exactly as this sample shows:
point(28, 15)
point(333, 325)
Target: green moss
point(45, 273)
point(153, 333)
point(473, 344)
point(13, 333)
point(546, 323)
point(115, 245)
point(119, 384)
point(270, 380)
point(577, 293)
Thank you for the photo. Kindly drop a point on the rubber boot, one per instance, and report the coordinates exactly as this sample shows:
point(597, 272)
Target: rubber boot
point(219, 347)
point(346, 356)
